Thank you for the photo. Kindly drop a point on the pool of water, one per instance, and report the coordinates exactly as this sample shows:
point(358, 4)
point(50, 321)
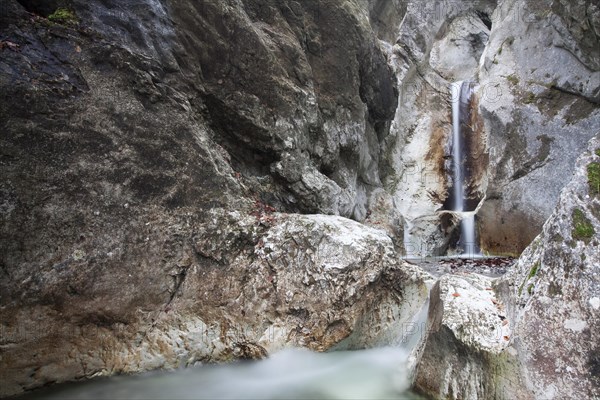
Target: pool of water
point(290, 374)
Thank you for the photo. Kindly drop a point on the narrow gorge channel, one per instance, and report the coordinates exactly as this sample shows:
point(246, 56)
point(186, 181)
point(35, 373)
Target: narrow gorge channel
point(321, 199)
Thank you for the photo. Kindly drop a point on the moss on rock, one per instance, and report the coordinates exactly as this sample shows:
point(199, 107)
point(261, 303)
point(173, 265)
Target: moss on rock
point(593, 171)
point(63, 16)
point(582, 227)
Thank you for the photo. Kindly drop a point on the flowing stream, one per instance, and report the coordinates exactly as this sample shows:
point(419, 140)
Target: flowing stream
point(461, 95)
point(378, 373)
point(290, 374)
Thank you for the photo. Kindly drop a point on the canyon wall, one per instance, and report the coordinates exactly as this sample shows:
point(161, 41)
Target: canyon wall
point(536, 107)
point(533, 333)
point(146, 146)
point(150, 151)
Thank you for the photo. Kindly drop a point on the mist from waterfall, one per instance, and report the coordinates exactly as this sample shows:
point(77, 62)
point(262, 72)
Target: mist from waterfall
point(461, 96)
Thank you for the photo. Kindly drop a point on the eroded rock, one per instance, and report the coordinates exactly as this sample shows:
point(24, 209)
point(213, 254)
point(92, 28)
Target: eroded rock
point(466, 354)
point(250, 284)
point(533, 333)
point(552, 294)
point(539, 99)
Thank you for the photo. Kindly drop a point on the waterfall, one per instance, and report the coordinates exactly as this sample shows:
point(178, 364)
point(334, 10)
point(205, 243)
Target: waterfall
point(461, 96)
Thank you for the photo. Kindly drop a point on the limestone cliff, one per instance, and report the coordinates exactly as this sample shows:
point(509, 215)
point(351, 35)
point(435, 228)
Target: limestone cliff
point(126, 127)
point(536, 107)
point(158, 159)
point(534, 333)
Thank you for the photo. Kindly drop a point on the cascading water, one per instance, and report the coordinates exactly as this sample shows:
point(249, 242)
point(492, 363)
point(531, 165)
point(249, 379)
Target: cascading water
point(461, 96)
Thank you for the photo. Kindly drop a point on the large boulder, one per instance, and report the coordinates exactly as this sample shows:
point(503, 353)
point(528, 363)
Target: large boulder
point(125, 123)
point(243, 286)
point(466, 354)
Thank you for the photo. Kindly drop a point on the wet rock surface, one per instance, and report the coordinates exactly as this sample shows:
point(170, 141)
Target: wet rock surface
point(492, 267)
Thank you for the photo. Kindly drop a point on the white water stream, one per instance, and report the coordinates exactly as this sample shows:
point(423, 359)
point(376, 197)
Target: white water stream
point(379, 373)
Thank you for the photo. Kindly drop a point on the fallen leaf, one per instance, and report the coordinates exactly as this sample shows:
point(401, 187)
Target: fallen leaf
point(9, 45)
point(494, 301)
point(456, 294)
point(506, 338)
point(505, 322)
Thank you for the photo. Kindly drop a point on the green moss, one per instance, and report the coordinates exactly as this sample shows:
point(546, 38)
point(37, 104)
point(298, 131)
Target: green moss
point(532, 272)
point(63, 16)
point(597, 152)
point(529, 98)
point(582, 227)
point(593, 171)
point(513, 79)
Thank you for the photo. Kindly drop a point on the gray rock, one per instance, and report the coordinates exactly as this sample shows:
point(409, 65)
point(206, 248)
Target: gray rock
point(539, 86)
point(429, 55)
point(249, 285)
point(466, 354)
point(535, 108)
point(533, 333)
point(128, 126)
point(553, 294)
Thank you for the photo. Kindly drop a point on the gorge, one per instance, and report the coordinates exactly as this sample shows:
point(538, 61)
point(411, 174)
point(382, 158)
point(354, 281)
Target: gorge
point(188, 183)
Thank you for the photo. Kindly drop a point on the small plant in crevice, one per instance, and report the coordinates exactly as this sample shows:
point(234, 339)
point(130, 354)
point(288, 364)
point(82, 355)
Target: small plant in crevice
point(513, 79)
point(593, 172)
point(63, 16)
point(529, 98)
point(532, 272)
point(582, 227)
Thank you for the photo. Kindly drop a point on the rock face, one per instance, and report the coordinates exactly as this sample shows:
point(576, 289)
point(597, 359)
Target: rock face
point(261, 79)
point(466, 354)
point(533, 113)
point(127, 123)
point(553, 294)
point(540, 100)
point(147, 145)
point(533, 334)
point(428, 57)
